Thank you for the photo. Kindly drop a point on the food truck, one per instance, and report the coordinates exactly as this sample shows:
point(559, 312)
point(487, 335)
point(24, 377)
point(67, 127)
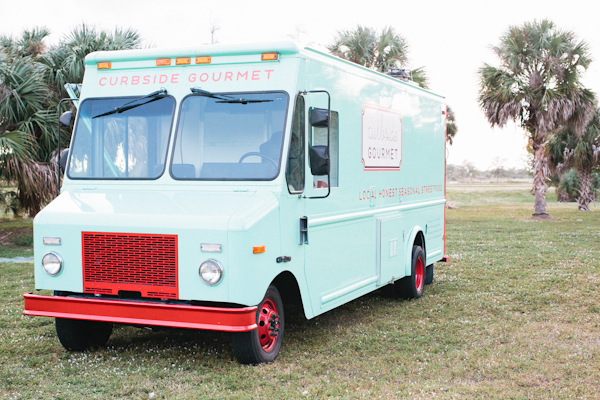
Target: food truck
point(208, 187)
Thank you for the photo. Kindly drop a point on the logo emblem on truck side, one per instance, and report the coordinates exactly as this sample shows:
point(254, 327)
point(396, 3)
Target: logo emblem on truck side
point(381, 138)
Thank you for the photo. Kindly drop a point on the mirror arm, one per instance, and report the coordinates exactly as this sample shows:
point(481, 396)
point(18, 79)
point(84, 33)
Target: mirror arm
point(58, 150)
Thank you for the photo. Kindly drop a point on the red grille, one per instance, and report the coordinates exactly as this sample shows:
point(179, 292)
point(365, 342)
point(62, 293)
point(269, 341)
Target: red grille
point(130, 262)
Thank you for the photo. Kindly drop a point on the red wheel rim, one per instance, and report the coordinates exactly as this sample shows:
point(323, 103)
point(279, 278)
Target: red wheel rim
point(268, 325)
point(419, 274)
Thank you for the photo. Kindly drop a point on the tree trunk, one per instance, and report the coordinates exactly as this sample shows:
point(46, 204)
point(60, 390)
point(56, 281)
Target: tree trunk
point(563, 197)
point(585, 191)
point(539, 179)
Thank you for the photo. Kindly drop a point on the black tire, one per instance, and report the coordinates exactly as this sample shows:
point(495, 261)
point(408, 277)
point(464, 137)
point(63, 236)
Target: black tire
point(80, 335)
point(262, 345)
point(411, 287)
point(429, 275)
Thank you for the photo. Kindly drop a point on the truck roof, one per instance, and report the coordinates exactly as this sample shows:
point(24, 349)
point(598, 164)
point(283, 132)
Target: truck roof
point(283, 47)
point(286, 47)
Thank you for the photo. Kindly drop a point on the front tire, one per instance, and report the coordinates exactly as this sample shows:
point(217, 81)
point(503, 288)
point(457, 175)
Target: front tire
point(411, 287)
point(262, 345)
point(80, 335)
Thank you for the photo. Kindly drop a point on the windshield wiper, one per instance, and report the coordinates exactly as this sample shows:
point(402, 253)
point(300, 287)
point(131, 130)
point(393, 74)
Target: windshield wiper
point(242, 101)
point(128, 106)
point(225, 98)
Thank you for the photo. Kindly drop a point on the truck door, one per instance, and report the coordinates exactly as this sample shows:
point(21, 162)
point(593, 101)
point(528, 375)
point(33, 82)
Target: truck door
point(339, 250)
point(292, 200)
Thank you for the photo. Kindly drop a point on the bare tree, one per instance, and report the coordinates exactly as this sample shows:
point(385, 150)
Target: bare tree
point(214, 27)
point(297, 34)
point(498, 167)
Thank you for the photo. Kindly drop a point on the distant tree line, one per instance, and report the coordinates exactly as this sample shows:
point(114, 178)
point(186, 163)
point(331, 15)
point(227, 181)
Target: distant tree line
point(467, 171)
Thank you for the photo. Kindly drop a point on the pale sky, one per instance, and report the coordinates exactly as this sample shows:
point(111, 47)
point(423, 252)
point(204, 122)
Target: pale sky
point(450, 38)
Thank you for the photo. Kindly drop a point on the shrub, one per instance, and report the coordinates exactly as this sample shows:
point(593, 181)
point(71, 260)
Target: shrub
point(568, 187)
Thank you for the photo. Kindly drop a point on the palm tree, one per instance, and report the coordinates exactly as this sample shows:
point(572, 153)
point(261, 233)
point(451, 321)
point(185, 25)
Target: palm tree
point(451, 127)
point(379, 51)
point(27, 129)
point(31, 83)
point(566, 150)
point(537, 84)
point(364, 46)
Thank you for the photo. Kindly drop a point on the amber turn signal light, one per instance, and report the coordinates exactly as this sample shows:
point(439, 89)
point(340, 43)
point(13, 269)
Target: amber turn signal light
point(103, 65)
point(258, 249)
point(203, 60)
point(270, 56)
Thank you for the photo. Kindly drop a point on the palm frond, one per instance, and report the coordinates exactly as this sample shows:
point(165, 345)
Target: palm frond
point(17, 144)
point(419, 76)
point(541, 65)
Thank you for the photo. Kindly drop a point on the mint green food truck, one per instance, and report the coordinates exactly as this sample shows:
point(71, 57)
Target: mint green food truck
point(209, 187)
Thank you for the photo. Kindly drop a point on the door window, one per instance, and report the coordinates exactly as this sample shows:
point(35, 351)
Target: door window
point(319, 138)
point(295, 165)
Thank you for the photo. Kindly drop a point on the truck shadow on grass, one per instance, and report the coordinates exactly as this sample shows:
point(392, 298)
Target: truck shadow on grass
point(208, 347)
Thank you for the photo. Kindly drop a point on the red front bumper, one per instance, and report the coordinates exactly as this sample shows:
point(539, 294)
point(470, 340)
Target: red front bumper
point(142, 313)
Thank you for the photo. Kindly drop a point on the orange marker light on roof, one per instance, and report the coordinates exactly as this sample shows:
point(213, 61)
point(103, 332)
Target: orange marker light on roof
point(270, 56)
point(203, 60)
point(163, 61)
point(103, 65)
point(183, 61)
point(258, 249)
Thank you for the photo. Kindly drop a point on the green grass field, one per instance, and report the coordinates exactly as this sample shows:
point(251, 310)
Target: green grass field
point(16, 238)
point(514, 314)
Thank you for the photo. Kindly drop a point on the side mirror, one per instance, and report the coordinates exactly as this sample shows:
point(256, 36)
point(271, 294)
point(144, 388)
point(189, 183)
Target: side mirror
point(64, 156)
point(65, 118)
point(319, 163)
point(319, 118)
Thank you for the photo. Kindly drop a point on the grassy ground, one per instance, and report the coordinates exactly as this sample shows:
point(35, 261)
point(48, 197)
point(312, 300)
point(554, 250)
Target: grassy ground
point(514, 314)
point(16, 238)
point(492, 193)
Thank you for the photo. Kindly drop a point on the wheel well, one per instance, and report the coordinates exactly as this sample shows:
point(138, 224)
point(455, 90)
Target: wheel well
point(420, 241)
point(288, 288)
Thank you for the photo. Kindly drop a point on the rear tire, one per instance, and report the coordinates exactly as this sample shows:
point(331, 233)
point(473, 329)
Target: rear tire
point(262, 345)
point(80, 335)
point(429, 275)
point(411, 287)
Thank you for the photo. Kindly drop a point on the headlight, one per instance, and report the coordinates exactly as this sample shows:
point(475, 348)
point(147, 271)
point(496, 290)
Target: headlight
point(52, 264)
point(211, 272)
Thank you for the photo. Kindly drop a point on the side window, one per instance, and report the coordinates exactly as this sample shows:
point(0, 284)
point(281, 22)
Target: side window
point(295, 165)
point(319, 138)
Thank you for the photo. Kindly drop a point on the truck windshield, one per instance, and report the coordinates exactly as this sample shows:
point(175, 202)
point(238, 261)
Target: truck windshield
point(230, 140)
point(114, 140)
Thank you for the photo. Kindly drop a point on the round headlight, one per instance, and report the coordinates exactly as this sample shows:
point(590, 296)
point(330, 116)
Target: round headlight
point(211, 272)
point(52, 264)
